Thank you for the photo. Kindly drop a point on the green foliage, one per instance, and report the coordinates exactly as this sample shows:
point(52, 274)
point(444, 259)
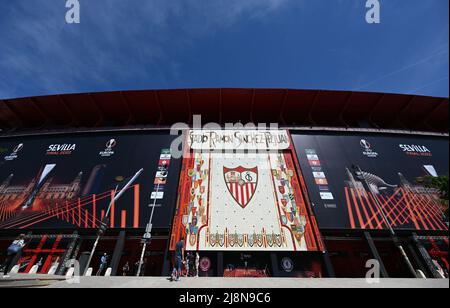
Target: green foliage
point(441, 184)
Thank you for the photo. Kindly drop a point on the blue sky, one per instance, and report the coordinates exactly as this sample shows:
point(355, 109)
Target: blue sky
point(159, 44)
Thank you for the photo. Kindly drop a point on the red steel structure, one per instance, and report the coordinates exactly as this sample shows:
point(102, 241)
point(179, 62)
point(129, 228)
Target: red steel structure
point(161, 108)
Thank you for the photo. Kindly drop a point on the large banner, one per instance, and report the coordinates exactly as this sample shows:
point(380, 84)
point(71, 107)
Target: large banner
point(246, 201)
point(68, 181)
point(354, 181)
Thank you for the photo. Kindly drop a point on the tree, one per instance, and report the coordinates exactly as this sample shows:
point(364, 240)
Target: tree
point(441, 184)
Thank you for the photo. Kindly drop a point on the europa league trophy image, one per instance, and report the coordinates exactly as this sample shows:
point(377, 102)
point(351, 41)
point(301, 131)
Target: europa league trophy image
point(44, 175)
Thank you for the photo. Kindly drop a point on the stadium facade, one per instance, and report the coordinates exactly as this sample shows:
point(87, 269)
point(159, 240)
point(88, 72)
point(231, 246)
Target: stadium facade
point(338, 183)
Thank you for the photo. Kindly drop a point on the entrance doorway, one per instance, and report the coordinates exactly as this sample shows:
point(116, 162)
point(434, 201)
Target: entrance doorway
point(247, 264)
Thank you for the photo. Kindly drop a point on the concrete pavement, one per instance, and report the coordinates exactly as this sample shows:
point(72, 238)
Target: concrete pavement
point(43, 281)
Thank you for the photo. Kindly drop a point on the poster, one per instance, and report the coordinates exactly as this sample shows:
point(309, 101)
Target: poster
point(68, 181)
point(353, 180)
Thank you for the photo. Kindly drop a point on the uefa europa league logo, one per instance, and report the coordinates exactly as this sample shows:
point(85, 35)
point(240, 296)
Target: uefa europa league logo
point(18, 148)
point(110, 144)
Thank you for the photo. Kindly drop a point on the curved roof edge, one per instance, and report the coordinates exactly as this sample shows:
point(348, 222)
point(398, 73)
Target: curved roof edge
point(288, 107)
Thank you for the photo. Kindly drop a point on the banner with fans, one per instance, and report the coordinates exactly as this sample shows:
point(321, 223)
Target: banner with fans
point(244, 201)
point(355, 180)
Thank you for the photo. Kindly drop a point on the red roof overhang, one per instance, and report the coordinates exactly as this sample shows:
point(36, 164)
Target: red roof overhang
point(162, 108)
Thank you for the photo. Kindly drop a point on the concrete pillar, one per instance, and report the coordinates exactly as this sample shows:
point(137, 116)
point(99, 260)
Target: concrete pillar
point(274, 262)
point(375, 254)
point(118, 251)
point(328, 265)
point(220, 264)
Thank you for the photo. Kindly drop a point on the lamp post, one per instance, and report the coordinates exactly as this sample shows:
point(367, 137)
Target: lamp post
point(103, 225)
point(148, 234)
point(394, 237)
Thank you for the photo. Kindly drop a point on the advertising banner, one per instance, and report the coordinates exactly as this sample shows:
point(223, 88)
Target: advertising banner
point(68, 181)
point(353, 180)
point(243, 201)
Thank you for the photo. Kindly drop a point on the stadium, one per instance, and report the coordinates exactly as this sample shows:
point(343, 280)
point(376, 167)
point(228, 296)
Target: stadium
point(339, 182)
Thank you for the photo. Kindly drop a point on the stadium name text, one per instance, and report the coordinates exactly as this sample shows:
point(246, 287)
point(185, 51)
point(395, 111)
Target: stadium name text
point(239, 140)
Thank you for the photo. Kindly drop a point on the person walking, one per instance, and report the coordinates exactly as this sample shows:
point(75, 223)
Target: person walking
point(136, 268)
point(197, 263)
point(103, 264)
point(126, 269)
point(190, 267)
point(13, 250)
point(179, 257)
point(143, 267)
point(187, 265)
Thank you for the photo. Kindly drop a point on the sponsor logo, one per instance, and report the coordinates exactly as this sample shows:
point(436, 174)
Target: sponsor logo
point(205, 264)
point(321, 182)
point(108, 152)
point(165, 156)
point(164, 163)
point(368, 149)
point(160, 181)
point(162, 174)
point(158, 188)
point(326, 196)
point(314, 163)
point(415, 150)
point(287, 265)
point(15, 152)
point(61, 149)
point(319, 175)
point(312, 157)
point(157, 195)
point(162, 168)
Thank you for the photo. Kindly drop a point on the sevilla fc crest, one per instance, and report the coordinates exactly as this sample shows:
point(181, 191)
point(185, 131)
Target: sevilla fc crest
point(241, 183)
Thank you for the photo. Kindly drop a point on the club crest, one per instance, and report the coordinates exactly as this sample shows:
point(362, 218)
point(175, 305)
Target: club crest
point(241, 183)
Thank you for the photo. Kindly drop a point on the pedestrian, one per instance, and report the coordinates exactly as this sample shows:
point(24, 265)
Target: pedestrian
point(13, 250)
point(197, 263)
point(103, 264)
point(143, 267)
point(179, 257)
point(126, 269)
point(187, 266)
point(191, 264)
point(136, 268)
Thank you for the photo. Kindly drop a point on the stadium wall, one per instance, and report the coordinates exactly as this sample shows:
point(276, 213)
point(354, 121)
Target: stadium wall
point(57, 187)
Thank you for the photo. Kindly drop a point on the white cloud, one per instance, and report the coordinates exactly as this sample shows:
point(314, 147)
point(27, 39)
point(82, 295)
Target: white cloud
point(116, 40)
